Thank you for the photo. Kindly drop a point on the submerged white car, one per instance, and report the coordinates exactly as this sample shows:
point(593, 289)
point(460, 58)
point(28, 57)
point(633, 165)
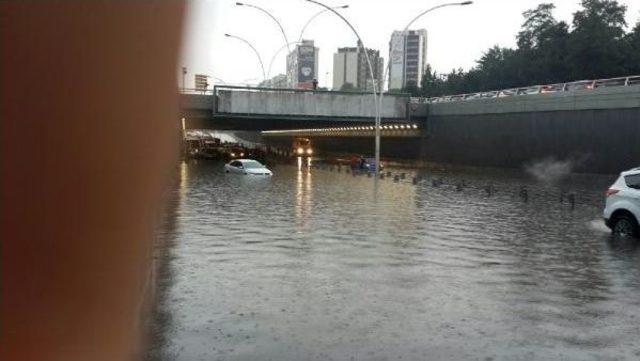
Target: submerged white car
point(247, 167)
point(622, 212)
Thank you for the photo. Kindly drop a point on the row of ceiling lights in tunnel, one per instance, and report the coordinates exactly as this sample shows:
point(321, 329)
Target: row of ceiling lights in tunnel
point(343, 129)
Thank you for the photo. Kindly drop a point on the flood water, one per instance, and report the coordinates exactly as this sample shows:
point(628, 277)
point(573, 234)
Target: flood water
point(313, 264)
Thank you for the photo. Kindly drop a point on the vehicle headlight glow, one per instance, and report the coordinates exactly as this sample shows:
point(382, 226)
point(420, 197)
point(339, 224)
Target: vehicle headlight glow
point(300, 150)
point(309, 151)
point(233, 154)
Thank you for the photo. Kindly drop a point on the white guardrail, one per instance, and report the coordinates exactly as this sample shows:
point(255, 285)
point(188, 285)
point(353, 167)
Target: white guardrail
point(536, 89)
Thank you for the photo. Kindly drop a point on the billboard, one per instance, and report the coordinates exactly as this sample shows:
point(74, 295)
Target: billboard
point(306, 63)
point(396, 58)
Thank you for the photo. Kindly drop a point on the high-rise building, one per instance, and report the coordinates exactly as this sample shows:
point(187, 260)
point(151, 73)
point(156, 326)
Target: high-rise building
point(350, 67)
point(302, 65)
point(408, 57)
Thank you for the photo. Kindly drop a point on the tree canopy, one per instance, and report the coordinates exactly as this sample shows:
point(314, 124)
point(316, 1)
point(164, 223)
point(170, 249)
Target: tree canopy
point(595, 45)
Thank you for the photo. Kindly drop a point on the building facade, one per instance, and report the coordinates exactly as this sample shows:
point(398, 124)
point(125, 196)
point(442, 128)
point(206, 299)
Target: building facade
point(278, 81)
point(408, 57)
point(350, 67)
point(302, 65)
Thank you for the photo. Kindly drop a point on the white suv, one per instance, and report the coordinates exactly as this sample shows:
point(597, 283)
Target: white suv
point(622, 212)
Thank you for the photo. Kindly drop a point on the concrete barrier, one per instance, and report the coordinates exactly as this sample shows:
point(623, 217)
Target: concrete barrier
point(308, 104)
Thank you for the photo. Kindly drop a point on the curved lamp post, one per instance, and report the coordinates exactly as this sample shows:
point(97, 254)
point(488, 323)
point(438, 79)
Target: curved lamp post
point(386, 72)
point(315, 16)
point(273, 58)
point(287, 46)
point(284, 35)
point(264, 75)
point(375, 86)
point(406, 28)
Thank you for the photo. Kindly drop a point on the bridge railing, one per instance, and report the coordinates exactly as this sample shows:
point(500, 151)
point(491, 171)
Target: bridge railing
point(535, 89)
point(218, 88)
point(195, 91)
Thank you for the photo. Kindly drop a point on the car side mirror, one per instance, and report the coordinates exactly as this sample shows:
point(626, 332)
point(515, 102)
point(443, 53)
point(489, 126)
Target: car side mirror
point(240, 166)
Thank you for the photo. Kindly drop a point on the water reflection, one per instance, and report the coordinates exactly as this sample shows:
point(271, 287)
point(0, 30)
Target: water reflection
point(304, 193)
point(310, 265)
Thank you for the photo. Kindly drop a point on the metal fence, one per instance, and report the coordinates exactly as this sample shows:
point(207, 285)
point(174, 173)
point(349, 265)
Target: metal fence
point(536, 89)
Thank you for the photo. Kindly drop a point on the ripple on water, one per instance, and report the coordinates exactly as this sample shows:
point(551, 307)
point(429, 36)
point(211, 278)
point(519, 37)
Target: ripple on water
point(310, 264)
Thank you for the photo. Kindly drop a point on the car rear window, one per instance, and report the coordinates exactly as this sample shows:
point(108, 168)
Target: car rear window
point(633, 181)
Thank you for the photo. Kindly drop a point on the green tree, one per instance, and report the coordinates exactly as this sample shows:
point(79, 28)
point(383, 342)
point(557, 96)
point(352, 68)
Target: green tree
point(431, 84)
point(411, 88)
point(536, 27)
point(595, 47)
point(542, 43)
point(632, 51)
point(549, 51)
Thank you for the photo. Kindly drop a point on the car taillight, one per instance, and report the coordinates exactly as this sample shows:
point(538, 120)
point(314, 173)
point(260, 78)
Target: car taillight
point(612, 191)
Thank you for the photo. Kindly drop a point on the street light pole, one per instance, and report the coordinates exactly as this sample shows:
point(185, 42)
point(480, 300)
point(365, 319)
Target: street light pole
point(386, 72)
point(315, 16)
point(284, 35)
point(273, 58)
point(406, 28)
point(375, 87)
point(264, 75)
point(299, 38)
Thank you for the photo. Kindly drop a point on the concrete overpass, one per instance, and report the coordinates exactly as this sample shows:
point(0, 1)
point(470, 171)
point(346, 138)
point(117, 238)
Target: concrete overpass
point(244, 108)
point(595, 127)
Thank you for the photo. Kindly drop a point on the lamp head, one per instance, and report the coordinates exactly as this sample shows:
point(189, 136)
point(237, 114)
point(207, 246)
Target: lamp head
point(239, 3)
point(466, 3)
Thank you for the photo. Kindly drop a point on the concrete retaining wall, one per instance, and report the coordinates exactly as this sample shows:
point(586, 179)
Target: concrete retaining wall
point(598, 140)
point(318, 104)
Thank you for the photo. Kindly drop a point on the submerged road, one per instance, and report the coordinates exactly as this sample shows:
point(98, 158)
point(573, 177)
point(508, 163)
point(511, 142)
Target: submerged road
point(310, 265)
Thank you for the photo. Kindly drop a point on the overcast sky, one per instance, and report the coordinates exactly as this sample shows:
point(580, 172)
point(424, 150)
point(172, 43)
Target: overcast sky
point(457, 35)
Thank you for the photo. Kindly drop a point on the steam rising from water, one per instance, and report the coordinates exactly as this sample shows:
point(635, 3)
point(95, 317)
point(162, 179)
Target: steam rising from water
point(550, 170)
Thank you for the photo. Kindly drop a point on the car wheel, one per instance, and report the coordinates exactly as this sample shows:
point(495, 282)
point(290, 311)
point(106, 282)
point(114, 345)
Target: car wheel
point(625, 226)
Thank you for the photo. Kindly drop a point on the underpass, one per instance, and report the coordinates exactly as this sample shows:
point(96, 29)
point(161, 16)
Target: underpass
point(597, 128)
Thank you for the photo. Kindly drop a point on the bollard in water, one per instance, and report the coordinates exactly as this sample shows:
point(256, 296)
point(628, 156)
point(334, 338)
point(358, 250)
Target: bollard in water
point(388, 174)
point(381, 175)
point(396, 178)
point(572, 200)
point(488, 190)
point(402, 175)
point(369, 174)
point(524, 193)
point(562, 194)
point(414, 180)
point(459, 187)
